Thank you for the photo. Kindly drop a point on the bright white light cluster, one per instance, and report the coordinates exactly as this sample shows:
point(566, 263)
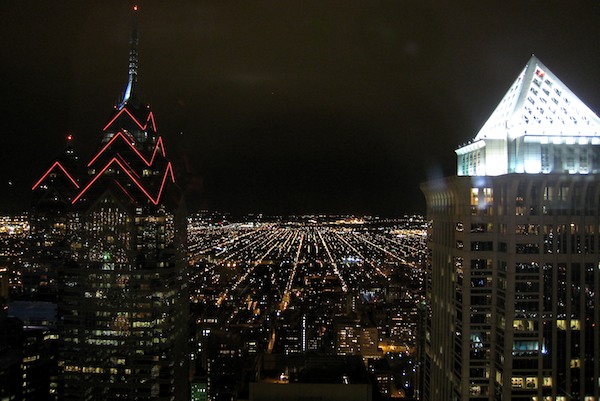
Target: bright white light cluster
point(539, 126)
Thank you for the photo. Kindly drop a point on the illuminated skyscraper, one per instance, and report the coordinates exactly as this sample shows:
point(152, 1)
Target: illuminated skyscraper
point(122, 290)
point(514, 253)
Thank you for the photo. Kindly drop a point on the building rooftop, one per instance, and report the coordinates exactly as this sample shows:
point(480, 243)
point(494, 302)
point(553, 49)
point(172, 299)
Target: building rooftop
point(311, 368)
point(539, 126)
point(538, 103)
point(34, 313)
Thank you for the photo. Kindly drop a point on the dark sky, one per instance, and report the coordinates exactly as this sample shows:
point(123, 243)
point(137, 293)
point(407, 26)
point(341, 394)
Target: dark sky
point(282, 106)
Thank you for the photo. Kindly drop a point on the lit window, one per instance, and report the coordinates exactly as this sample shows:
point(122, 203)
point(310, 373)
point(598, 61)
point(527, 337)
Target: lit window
point(475, 390)
point(474, 196)
point(531, 382)
point(523, 325)
point(517, 382)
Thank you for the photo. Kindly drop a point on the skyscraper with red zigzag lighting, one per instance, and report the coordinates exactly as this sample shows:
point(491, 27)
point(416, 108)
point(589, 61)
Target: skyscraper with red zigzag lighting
point(122, 286)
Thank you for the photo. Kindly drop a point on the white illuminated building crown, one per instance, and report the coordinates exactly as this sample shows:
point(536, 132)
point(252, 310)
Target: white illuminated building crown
point(540, 126)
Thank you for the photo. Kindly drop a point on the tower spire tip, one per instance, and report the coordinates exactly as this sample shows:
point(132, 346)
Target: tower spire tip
point(133, 62)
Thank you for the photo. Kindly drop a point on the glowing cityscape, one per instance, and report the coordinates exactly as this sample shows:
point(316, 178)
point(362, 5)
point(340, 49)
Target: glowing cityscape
point(111, 288)
point(307, 285)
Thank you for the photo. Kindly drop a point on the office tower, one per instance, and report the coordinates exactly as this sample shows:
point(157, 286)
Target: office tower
point(514, 255)
point(122, 288)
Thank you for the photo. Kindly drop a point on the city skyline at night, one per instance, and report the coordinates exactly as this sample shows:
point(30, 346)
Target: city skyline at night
point(103, 259)
point(301, 221)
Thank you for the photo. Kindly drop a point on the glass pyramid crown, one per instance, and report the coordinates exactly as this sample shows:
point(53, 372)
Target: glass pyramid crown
point(539, 126)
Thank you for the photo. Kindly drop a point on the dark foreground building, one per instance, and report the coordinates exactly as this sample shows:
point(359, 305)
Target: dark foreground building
point(122, 284)
point(310, 377)
point(514, 254)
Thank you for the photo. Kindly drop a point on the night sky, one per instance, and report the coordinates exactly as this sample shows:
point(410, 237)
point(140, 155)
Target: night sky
point(282, 107)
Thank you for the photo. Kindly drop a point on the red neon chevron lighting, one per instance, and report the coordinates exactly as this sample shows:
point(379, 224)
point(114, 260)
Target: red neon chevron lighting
point(159, 143)
point(151, 118)
point(56, 164)
point(135, 120)
point(168, 170)
point(122, 163)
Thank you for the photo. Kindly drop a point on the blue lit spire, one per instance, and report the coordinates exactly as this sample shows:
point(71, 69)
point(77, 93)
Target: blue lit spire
point(133, 63)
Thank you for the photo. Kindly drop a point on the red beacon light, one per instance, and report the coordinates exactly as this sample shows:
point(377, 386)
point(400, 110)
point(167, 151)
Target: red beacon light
point(69, 137)
point(135, 8)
